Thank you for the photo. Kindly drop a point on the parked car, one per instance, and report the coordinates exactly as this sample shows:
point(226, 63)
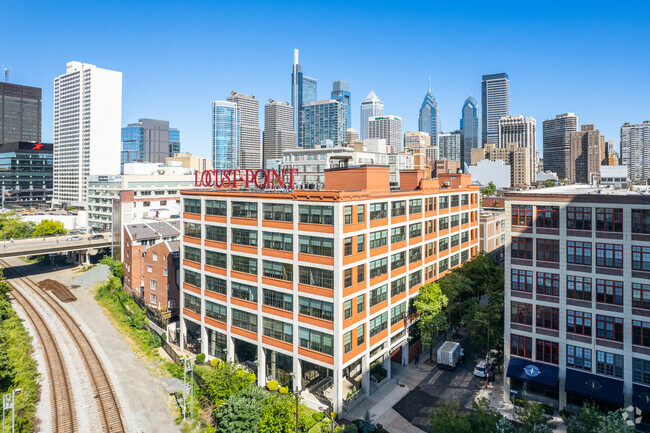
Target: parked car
point(481, 369)
point(75, 238)
point(95, 237)
point(449, 354)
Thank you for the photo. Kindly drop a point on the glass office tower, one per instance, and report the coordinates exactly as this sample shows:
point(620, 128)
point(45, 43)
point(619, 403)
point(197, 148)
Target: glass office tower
point(225, 135)
point(429, 120)
point(469, 132)
point(341, 92)
point(303, 91)
point(25, 174)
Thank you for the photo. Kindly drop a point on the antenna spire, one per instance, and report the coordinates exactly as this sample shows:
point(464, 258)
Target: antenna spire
point(6, 75)
point(429, 83)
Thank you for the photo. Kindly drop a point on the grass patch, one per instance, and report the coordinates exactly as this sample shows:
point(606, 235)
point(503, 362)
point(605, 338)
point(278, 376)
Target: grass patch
point(82, 270)
point(32, 259)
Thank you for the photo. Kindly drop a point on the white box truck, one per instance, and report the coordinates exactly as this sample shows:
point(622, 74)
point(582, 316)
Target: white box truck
point(449, 355)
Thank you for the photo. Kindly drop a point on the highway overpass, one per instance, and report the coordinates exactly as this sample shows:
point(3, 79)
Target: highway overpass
point(51, 245)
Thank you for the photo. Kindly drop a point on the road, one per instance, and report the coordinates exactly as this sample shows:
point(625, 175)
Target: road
point(39, 246)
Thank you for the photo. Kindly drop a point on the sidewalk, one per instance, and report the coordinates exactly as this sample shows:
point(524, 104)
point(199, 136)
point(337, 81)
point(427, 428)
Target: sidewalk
point(380, 403)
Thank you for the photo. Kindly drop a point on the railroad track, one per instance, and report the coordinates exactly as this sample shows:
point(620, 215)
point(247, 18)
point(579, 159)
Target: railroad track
point(109, 410)
point(63, 412)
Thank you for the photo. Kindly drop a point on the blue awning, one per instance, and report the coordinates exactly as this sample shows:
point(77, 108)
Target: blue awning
point(641, 396)
point(533, 372)
point(605, 389)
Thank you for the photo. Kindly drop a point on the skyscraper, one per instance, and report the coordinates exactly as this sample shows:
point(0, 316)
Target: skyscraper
point(468, 132)
point(557, 143)
point(323, 122)
point(495, 103)
point(429, 120)
point(370, 107)
point(226, 135)
point(635, 149)
point(303, 91)
point(587, 147)
point(149, 140)
point(341, 92)
point(278, 129)
point(521, 131)
point(87, 125)
point(449, 146)
point(20, 113)
point(389, 128)
point(250, 146)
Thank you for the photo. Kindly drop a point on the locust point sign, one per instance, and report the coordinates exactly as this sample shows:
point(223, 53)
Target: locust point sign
point(261, 179)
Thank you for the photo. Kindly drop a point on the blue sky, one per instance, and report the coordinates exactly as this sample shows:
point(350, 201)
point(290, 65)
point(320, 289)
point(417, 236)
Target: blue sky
point(590, 58)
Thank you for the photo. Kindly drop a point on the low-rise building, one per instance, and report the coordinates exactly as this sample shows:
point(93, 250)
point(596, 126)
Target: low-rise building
point(445, 166)
point(614, 175)
point(492, 229)
point(189, 161)
point(486, 171)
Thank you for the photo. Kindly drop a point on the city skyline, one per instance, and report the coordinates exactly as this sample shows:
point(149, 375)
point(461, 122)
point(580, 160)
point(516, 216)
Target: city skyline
point(539, 88)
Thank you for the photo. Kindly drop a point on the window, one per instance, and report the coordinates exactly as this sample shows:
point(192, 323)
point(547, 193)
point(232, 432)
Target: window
point(641, 371)
point(316, 277)
point(242, 209)
point(397, 234)
point(641, 258)
point(215, 207)
point(464, 199)
point(609, 364)
point(378, 267)
point(244, 237)
point(397, 260)
point(317, 341)
point(193, 278)
point(278, 241)
point(522, 248)
point(347, 246)
point(243, 291)
point(415, 254)
point(317, 246)
point(378, 295)
point(192, 303)
point(415, 206)
point(522, 215)
point(361, 303)
point(216, 233)
point(522, 281)
point(361, 243)
point(347, 215)
point(214, 258)
point(547, 351)
point(153, 285)
point(455, 240)
point(192, 205)
point(443, 244)
point(193, 254)
point(548, 250)
point(578, 287)
point(347, 278)
point(609, 328)
point(165, 272)
point(378, 324)
point(415, 279)
point(283, 301)
point(216, 311)
point(316, 214)
point(579, 253)
point(641, 221)
point(548, 216)
point(429, 226)
point(415, 230)
point(548, 317)
point(244, 320)
point(521, 312)
point(361, 213)
point(578, 218)
point(244, 264)
point(361, 273)
point(443, 202)
point(398, 208)
point(398, 286)
point(360, 334)
point(578, 322)
point(398, 313)
point(277, 212)
point(521, 346)
point(454, 221)
point(378, 239)
point(347, 342)
point(378, 211)
point(609, 255)
point(578, 357)
point(609, 292)
point(315, 308)
point(454, 201)
point(149, 269)
point(443, 223)
point(192, 229)
point(464, 218)
point(430, 249)
point(281, 271)
point(641, 295)
point(609, 220)
point(548, 284)
point(641, 333)
point(277, 329)
point(443, 265)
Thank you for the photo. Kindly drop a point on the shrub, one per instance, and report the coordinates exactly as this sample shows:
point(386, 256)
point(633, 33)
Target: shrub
point(272, 385)
point(351, 429)
point(200, 358)
point(284, 390)
point(214, 362)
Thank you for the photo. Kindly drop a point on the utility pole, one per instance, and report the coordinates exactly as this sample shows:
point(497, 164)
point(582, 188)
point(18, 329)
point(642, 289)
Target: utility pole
point(8, 403)
point(188, 386)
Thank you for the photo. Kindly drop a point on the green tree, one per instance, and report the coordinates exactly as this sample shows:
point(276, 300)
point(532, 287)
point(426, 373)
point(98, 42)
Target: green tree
point(504, 426)
point(615, 422)
point(225, 380)
point(49, 228)
point(489, 189)
point(585, 421)
point(16, 229)
point(530, 415)
point(483, 419)
point(460, 292)
point(549, 183)
point(448, 419)
point(241, 412)
point(366, 425)
point(429, 304)
point(278, 414)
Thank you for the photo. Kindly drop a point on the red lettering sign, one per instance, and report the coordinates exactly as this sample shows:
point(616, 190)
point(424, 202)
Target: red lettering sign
point(260, 179)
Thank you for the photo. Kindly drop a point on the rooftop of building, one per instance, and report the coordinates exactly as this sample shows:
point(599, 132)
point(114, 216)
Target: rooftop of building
point(154, 229)
point(588, 193)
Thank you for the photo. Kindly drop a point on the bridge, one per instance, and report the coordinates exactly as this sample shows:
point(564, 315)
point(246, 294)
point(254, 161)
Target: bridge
point(51, 245)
